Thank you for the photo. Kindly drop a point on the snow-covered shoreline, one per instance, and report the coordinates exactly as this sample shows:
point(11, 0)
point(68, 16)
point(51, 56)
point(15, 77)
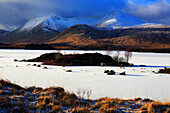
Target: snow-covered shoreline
point(139, 82)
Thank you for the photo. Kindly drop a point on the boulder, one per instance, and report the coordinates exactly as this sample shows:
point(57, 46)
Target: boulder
point(111, 72)
point(68, 70)
point(123, 73)
point(106, 71)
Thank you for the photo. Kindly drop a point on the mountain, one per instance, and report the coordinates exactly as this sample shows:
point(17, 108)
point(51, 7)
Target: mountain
point(55, 23)
point(39, 30)
point(3, 32)
point(118, 20)
point(114, 28)
point(81, 35)
point(84, 35)
point(114, 20)
point(33, 31)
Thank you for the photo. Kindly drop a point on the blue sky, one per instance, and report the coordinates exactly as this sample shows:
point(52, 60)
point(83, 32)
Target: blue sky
point(17, 12)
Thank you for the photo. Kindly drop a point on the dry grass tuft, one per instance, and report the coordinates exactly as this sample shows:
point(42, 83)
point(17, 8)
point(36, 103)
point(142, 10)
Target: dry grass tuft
point(56, 109)
point(54, 89)
point(80, 110)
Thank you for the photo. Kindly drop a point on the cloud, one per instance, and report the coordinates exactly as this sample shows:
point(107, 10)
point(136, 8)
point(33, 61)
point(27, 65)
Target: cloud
point(158, 11)
point(17, 12)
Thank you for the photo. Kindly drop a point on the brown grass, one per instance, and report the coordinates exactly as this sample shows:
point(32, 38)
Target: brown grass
point(80, 110)
point(55, 98)
point(55, 109)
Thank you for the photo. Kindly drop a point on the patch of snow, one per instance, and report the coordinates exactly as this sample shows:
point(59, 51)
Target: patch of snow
point(60, 23)
point(118, 20)
point(54, 23)
point(7, 28)
point(33, 23)
point(150, 25)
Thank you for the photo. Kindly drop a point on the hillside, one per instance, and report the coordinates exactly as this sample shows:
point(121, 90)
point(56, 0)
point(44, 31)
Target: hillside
point(117, 19)
point(83, 35)
point(36, 35)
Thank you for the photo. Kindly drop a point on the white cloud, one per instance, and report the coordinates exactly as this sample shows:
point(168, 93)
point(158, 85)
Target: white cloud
point(158, 12)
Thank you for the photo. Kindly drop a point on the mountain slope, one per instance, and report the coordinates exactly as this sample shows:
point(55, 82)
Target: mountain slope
point(83, 35)
point(118, 20)
point(56, 23)
point(36, 35)
point(39, 30)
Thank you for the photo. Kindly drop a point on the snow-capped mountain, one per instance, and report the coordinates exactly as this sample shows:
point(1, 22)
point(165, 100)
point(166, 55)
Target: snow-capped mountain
point(58, 23)
point(118, 20)
point(55, 23)
point(43, 29)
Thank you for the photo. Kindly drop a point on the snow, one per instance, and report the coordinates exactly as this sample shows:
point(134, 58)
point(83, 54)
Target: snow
point(58, 23)
point(139, 82)
point(111, 21)
point(150, 25)
point(119, 20)
point(55, 23)
point(33, 23)
point(7, 28)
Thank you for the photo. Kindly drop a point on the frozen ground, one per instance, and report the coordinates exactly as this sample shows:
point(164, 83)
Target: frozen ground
point(139, 82)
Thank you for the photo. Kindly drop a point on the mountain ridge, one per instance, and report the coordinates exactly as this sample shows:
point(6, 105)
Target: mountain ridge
point(79, 31)
point(84, 35)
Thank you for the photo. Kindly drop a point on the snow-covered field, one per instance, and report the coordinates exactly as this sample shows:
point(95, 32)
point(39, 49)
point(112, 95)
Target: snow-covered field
point(139, 82)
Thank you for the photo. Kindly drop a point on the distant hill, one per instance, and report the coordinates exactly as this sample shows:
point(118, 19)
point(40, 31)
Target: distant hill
point(83, 35)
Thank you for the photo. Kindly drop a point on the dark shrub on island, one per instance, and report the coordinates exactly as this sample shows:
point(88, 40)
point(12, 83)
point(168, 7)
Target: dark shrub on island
point(87, 59)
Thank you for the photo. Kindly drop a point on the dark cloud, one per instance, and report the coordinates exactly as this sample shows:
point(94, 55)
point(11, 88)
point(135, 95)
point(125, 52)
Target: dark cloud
point(17, 12)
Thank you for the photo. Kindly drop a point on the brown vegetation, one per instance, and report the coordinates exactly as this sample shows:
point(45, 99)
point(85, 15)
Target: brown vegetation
point(87, 37)
point(165, 70)
point(56, 99)
point(83, 35)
